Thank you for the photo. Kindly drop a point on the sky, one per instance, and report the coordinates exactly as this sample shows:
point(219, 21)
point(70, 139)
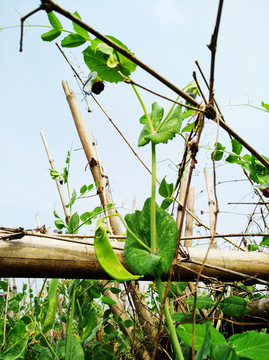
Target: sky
point(169, 36)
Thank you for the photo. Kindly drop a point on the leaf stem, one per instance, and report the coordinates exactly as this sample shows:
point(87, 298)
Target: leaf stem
point(69, 333)
point(153, 239)
point(170, 324)
point(144, 109)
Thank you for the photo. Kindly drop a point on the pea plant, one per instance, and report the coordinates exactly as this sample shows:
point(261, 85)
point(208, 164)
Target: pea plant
point(91, 309)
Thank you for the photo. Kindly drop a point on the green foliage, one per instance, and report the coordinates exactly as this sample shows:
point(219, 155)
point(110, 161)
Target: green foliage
point(137, 254)
point(202, 302)
point(107, 62)
point(162, 130)
point(251, 345)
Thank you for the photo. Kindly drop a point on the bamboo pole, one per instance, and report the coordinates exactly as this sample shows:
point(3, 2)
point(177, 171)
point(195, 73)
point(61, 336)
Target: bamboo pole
point(37, 257)
point(189, 218)
point(211, 205)
point(66, 213)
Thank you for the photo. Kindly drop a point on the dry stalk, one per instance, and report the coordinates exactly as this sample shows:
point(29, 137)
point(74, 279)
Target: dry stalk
point(67, 216)
point(211, 204)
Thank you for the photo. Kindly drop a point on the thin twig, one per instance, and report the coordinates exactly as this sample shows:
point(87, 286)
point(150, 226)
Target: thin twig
point(24, 18)
point(213, 47)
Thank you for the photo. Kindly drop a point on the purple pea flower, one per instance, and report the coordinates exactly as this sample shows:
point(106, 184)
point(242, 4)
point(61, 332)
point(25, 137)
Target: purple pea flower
point(4, 295)
point(93, 84)
point(266, 192)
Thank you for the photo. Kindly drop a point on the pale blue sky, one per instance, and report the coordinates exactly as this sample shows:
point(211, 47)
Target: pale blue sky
point(167, 35)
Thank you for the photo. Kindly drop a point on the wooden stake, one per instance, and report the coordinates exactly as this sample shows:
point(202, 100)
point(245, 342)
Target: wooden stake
point(189, 218)
point(211, 204)
point(67, 216)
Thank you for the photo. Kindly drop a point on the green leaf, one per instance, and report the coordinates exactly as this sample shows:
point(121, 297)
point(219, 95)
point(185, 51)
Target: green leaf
point(76, 351)
point(165, 189)
point(115, 290)
point(79, 30)
point(166, 203)
point(16, 350)
point(232, 159)
point(265, 241)
point(236, 146)
point(72, 200)
point(60, 224)
point(54, 21)
point(265, 106)
point(73, 224)
point(187, 113)
point(55, 214)
point(83, 189)
point(50, 35)
point(98, 61)
point(107, 257)
point(106, 300)
point(72, 40)
point(219, 152)
point(184, 332)
point(185, 317)
point(163, 131)
point(253, 247)
point(251, 345)
point(128, 323)
point(234, 306)
point(206, 344)
point(137, 256)
point(17, 331)
point(222, 351)
point(202, 302)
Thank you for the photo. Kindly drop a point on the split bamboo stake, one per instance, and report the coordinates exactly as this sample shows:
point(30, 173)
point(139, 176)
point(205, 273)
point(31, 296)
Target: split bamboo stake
point(189, 218)
point(67, 216)
point(211, 204)
point(91, 156)
point(44, 257)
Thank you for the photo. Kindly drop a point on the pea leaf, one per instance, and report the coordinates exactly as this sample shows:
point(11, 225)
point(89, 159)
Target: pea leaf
point(50, 35)
point(265, 241)
point(83, 189)
point(251, 345)
point(60, 224)
point(265, 106)
point(202, 302)
point(236, 146)
point(166, 189)
point(79, 30)
point(206, 344)
point(54, 21)
point(222, 351)
point(219, 152)
point(100, 62)
point(73, 40)
point(163, 131)
point(73, 224)
point(234, 306)
point(184, 332)
point(137, 256)
point(72, 200)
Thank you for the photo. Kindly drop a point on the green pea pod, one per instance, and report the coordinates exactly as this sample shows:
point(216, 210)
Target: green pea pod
point(107, 258)
point(53, 306)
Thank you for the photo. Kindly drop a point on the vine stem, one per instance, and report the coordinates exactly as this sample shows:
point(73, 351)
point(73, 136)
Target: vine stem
point(153, 242)
point(69, 333)
point(168, 317)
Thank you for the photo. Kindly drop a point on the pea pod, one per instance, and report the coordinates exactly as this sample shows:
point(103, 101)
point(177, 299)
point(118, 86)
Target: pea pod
point(53, 306)
point(107, 258)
